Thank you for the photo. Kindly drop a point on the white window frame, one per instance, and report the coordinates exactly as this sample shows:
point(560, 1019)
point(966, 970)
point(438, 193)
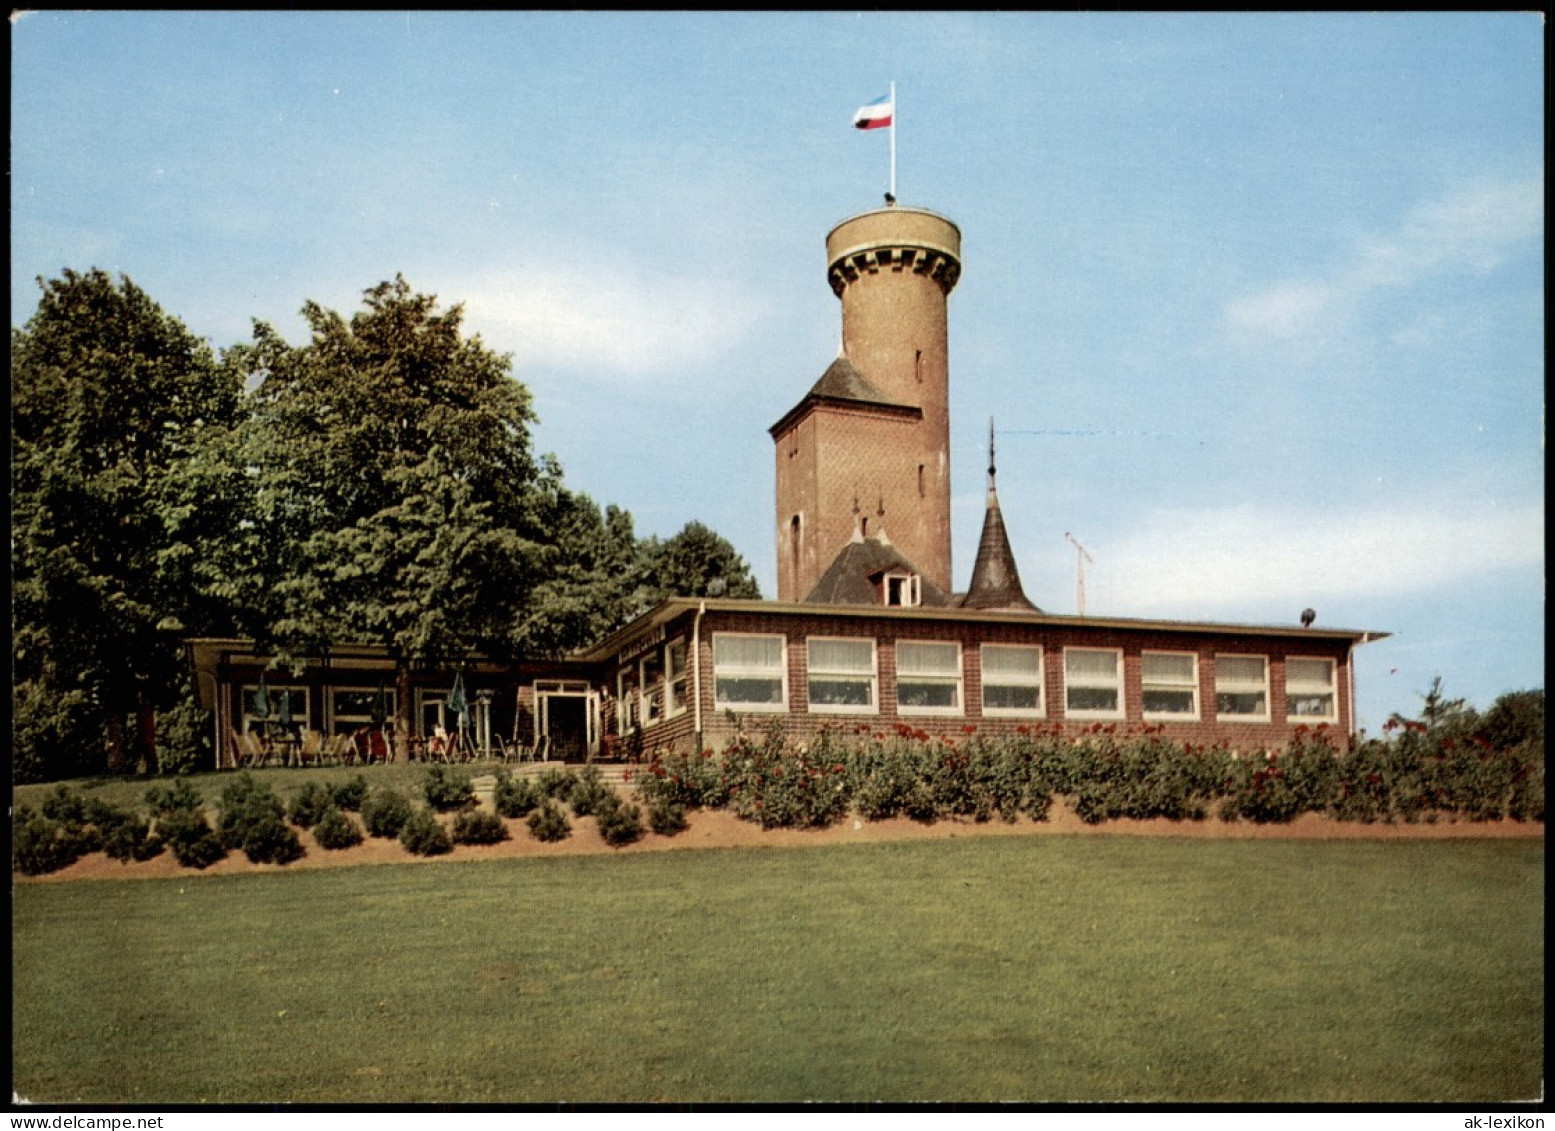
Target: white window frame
point(737, 671)
point(300, 714)
point(652, 699)
point(940, 679)
point(1040, 711)
point(873, 708)
point(628, 704)
point(356, 722)
point(677, 678)
point(1147, 684)
point(911, 589)
point(1302, 688)
point(1241, 687)
point(1115, 684)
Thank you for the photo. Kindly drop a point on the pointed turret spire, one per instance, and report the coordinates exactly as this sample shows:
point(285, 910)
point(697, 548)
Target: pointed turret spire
point(995, 579)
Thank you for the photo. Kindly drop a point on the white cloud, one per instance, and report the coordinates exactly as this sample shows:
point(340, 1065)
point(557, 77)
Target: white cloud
point(614, 326)
point(1229, 559)
point(1473, 230)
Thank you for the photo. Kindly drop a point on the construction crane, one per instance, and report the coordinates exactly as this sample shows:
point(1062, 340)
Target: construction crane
point(1081, 557)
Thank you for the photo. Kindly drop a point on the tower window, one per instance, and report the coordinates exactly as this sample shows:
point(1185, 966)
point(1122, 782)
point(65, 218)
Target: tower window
point(922, 491)
point(917, 365)
point(902, 589)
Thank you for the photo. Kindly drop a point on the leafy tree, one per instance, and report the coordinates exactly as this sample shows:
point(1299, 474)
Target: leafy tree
point(697, 563)
point(1515, 719)
point(392, 460)
point(110, 395)
point(1441, 714)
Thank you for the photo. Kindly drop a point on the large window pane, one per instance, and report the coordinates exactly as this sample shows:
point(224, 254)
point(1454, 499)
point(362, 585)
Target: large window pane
point(748, 672)
point(841, 674)
point(1012, 679)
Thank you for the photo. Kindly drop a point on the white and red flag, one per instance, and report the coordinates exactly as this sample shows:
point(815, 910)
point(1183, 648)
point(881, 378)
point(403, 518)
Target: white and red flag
point(877, 115)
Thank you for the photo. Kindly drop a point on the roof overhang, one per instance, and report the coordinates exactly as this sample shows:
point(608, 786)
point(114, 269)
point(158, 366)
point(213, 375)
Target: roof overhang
point(679, 606)
point(813, 402)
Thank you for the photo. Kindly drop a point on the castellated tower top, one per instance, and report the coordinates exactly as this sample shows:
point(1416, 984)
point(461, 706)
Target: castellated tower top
point(894, 239)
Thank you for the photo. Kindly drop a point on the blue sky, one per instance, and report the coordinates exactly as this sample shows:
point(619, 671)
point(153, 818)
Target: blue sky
point(1257, 300)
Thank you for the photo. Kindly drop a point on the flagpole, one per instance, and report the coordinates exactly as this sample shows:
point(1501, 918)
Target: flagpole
point(893, 141)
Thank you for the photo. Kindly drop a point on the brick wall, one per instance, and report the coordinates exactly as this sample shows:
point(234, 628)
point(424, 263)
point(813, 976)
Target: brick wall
point(1204, 643)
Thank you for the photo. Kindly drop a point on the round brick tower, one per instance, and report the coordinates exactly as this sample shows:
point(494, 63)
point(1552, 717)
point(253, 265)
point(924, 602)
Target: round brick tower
point(872, 437)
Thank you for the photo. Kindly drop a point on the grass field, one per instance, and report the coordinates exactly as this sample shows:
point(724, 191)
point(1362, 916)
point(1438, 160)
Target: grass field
point(1030, 969)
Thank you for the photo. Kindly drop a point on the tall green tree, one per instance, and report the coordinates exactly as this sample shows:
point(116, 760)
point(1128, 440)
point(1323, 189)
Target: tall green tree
point(110, 396)
point(697, 562)
point(392, 459)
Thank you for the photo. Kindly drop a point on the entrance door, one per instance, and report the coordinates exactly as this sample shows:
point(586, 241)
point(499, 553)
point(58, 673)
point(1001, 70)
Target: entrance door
point(565, 721)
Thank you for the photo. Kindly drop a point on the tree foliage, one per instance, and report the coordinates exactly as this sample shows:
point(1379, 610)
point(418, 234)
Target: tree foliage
point(375, 484)
point(111, 397)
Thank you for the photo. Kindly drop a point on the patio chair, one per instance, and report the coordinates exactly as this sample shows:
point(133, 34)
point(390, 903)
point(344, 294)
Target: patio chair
point(235, 750)
point(335, 747)
point(312, 749)
point(255, 752)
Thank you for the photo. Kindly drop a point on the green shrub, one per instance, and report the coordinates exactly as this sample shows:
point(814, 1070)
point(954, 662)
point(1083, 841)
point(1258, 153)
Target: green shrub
point(349, 795)
point(476, 826)
point(253, 819)
point(515, 797)
point(132, 839)
point(268, 839)
point(446, 789)
point(190, 836)
point(666, 818)
point(556, 782)
point(309, 804)
point(175, 795)
point(424, 835)
point(694, 781)
point(245, 802)
point(549, 823)
point(385, 812)
point(589, 792)
point(41, 844)
point(620, 822)
point(334, 830)
point(65, 805)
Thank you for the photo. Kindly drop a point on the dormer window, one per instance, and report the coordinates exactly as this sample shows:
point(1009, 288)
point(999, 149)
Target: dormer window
point(902, 589)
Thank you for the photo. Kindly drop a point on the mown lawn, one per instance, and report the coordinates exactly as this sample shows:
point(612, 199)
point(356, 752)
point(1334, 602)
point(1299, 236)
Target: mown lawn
point(1031, 969)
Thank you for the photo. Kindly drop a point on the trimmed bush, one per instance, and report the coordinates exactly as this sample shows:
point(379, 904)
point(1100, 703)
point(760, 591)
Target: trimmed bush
point(515, 797)
point(424, 835)
point(178, 794)
point(666, 818)
point(131, 839)
point(620, 822)
point(476, 826)
point(41, 845)
point(549, 822)
point(190, 836)
point(334, 830)
point(245, 802)
point(446, 789)
point(589, 793)
point(556, 782)
point(385, 812)
point(268, 839)
point(309, 804)
point(349, 795)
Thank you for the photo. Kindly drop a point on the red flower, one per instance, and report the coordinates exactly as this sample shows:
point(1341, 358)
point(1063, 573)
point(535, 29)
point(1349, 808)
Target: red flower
point(968, 730)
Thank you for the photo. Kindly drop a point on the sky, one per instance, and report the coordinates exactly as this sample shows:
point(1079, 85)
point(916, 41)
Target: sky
point(1255, 300)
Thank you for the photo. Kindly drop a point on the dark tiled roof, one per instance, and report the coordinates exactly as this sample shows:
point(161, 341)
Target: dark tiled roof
point(843, 384)
point(995, 580)
point(853, 578)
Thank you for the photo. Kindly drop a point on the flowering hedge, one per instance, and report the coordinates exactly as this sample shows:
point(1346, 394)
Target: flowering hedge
point(1410, 774)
